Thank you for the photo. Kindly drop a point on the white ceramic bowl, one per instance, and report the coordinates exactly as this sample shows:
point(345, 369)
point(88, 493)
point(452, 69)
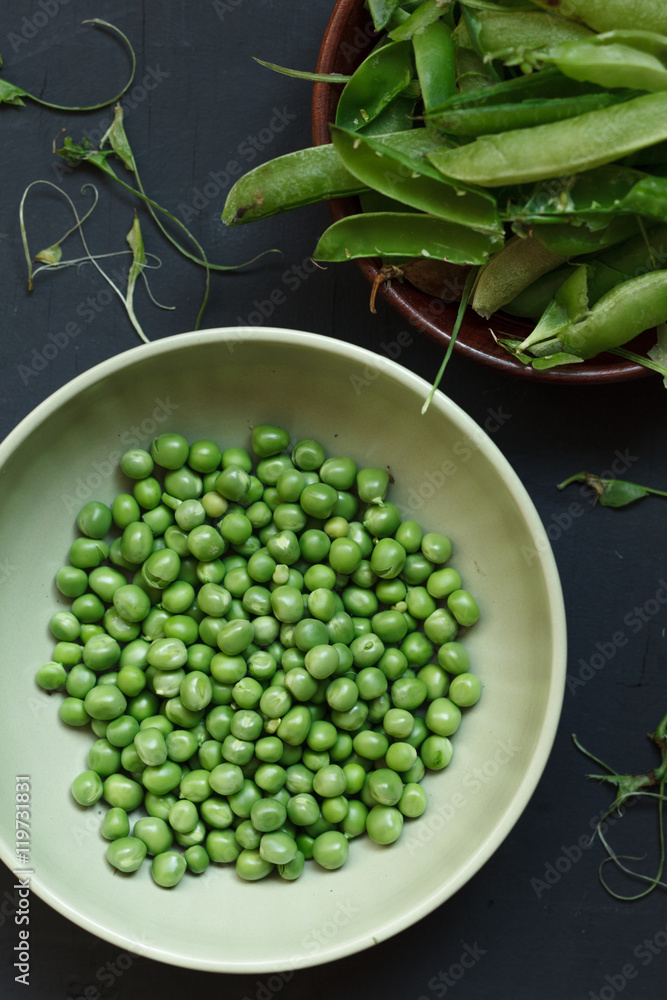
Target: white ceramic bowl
point(448, 475)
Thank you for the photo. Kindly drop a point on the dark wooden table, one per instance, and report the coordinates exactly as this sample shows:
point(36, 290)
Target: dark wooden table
point(534, 923)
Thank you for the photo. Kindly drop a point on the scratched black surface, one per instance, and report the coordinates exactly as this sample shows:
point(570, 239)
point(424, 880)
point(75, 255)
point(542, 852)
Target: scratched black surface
point(535, 917)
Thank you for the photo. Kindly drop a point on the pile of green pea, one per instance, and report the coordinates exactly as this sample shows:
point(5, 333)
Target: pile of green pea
point(267, 653)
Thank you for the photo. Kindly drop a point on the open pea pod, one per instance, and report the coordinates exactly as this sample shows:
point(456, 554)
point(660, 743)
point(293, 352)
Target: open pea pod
point(501, 30)
point(618, 316)
point(404, 234)
point(566, 147)
point(417, 21)
point(413, 181)
point(503, 117)
point(374, 84)
point(575, 239)
point(520, 262)
point(381, 11)
point(633, 59)
point(606, 15)
point(286, 182)
point(435, 61)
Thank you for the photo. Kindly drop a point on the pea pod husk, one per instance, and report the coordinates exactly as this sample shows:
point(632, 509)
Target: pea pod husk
point(404, 234)
point(503, 117)
point(520, 262)
point(635, 59)
point(435, 62)
point(606, 15)
point(374, 84)
point(618, 316)
point(411, 179)
point(543, 151)
point(287, 182)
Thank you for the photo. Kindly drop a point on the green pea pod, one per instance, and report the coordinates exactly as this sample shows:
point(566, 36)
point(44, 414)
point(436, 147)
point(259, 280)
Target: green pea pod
point(414, 182)
point(435, 62)
point(606, 15)
point(547, 83)
point(635, 59)
point(398, 116)
point(621, 314)
point(287, 182)
point(420, 18)
point(532, 301)
point(381, 12)
point(581, 143)
point(374, 84)
point(573, 240)
point(515, 267)
point(404, 234)
point(602, 190)
point(502, 30)
point(502, 117)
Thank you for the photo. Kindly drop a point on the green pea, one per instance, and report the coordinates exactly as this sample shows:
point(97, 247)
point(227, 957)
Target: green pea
point(417, 648)
point(247, 692)
point(331, 849)
point(251, 866)
point(197, 858)
point(162, 778)
point(294, 725)
point(384, 824)
point(465, 690)
point(168, 868)
point(221, 846)
point(277, 847)
point(436, 752)
point(71, 581)
point(382, 520)
point(150, 746)
point(435, 679)
point(126, 853)
point(370, 744)
point(353, 719)
point(413, 801)
point(388, 558)
point(86, 553)
point(408, 693)
point(216, 812)
point(155, 833)
point(104, 757)
point(122, 730)
point(196, 690)
point(204, 456)
point(314, 545)
point(464, 608)
point(115, 824)
point(308, 454)
point(121, 790)
point(416, 569)
point(50, 676)
point(345, 555)
point(443, 582)
point(87, 788)
point(105, 702)
point(136, 542)
point(181, 745)
point(68, 654)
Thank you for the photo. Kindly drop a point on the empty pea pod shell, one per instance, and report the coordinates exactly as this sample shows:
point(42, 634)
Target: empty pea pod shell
point(605, 15)
point(377, 81)
point(413, 181)
point(636, 59)
point(581, 143)
point(621, 314)
point(404, 234)
point(286, 182)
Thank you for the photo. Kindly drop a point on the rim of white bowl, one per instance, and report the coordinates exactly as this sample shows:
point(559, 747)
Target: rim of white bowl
point(416, 383)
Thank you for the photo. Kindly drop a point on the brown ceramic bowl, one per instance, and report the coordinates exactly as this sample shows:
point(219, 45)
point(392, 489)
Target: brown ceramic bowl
point(347, 40)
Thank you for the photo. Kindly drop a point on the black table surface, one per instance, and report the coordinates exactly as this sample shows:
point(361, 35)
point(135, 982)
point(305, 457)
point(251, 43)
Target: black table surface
point(535, 917)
